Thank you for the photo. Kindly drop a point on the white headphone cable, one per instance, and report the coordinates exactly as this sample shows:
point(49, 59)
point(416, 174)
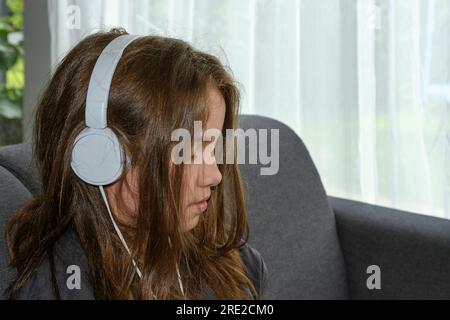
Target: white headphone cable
point(122, 239)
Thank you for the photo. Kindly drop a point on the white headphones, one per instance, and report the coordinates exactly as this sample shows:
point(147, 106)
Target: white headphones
point(97, 156)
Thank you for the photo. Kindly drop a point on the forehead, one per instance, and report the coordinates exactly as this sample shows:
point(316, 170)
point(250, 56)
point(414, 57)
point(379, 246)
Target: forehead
point(215, 105)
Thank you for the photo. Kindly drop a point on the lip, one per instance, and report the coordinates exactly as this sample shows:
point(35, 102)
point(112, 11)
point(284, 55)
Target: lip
point(204, 199)
point(201, 205)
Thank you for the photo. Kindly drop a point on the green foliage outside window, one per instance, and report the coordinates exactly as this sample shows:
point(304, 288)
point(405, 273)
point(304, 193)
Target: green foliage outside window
point(11, 73)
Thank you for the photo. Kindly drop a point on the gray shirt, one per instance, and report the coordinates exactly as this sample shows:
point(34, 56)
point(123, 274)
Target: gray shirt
point(69, 256)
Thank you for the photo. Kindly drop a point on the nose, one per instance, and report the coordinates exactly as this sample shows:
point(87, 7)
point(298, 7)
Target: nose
point(211, 176)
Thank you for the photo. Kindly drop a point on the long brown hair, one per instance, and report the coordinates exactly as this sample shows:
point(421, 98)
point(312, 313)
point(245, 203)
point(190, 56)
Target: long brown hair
point(159, 85)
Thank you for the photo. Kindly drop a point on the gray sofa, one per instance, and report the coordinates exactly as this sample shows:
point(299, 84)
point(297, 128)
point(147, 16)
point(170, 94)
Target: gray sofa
point(315, 246)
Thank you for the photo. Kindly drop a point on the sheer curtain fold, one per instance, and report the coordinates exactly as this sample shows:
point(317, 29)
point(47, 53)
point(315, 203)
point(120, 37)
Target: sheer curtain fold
point(366, 16)
point(365, 83)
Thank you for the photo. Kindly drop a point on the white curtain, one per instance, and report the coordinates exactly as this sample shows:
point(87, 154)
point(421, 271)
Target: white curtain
point(364, 83)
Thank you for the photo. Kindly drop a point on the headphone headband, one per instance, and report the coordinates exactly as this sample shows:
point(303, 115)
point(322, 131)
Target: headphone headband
point(100, 81)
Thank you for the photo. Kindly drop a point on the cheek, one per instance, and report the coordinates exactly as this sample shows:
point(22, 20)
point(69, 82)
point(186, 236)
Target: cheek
point(188, 188)
point(188, 184)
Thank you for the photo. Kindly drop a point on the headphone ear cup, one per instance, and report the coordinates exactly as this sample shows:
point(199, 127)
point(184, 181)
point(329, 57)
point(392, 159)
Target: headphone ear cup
point(97, 156)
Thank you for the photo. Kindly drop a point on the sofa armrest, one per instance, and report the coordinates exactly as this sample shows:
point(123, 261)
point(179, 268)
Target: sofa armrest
point(411, 250)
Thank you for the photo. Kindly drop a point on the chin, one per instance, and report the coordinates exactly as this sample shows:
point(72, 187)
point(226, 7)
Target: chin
point(193, 222)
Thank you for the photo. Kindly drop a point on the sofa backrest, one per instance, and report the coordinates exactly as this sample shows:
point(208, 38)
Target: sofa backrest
point(291, 222)
point(18, 182)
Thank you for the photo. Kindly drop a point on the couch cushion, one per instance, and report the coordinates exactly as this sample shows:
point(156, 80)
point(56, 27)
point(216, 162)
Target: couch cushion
point(19, 180)
point(12, 195)
point(291, 223)
point(18, 160)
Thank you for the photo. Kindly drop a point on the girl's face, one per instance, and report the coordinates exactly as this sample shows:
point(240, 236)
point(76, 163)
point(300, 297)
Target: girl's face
point(198, 178)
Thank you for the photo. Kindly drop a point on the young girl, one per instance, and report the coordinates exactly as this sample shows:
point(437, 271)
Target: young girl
point(160, 230)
